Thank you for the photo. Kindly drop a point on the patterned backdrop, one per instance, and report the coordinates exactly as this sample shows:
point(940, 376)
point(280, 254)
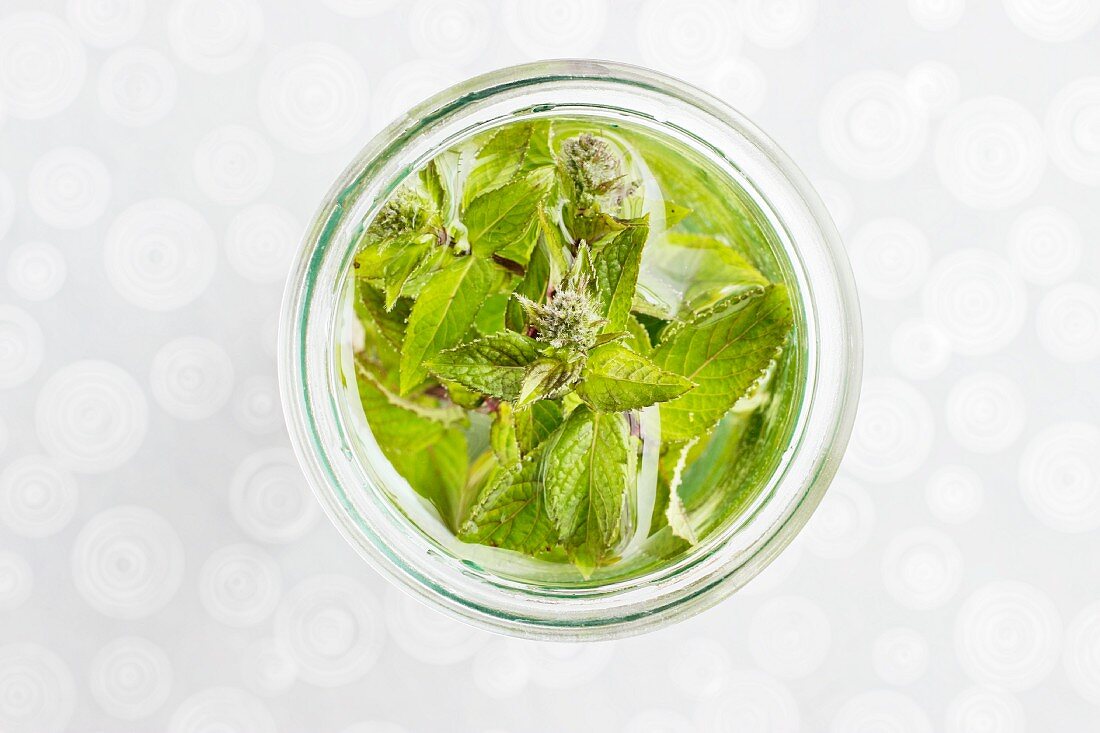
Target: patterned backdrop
point(164, 568)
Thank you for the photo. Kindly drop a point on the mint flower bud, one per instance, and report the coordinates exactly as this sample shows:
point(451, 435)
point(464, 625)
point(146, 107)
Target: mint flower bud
point(569, 319)
point(595, 168)
point(405, 213)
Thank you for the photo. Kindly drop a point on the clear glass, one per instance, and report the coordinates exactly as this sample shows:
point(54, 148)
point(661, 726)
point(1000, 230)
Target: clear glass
point(354, 481)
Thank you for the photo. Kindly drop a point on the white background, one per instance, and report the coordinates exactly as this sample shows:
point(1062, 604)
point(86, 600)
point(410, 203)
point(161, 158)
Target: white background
point(163, 566)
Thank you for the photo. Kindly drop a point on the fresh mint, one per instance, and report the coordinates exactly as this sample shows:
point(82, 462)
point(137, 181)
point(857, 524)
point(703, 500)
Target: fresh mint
point(442, 314)
point(504, 222)
point(616, 379)
point(511, 512)
point(589, 469)
point(503, 438)
point(505, 156)
point(520, 314)
point(495, 365)
point(617, 267)
point(724, 351)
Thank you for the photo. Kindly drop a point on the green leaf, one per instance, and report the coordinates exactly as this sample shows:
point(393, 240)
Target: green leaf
point(617, 264)
point(438, 473)
point(671, 472)
point(490, 317)
point(415, 437)
point(724, 350)
point(372, 255)
point(493, 365)
point(580, 270)
point(442, 314)
point(639, 336)
point(587, 477)
point(653, 325)
point(511, 513)
point(484, 471)
point(436, 259)
point(389, 322)
point(502, 436)
point(369, 262)
point(678, 520)
point(510, 152)
point(392, 425)
point(462, 396)
point(504, 221)
point(612, 338)
point(433, 184)
point(674, 214)
point(615, 379)
point(591, 228)
point(400, 268)
point(547, 378)
point(426, 407)
point(558, 247)
point(537, 423)
point(435, 177)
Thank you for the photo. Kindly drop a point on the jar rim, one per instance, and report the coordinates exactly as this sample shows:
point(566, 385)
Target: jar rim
point(668, 593)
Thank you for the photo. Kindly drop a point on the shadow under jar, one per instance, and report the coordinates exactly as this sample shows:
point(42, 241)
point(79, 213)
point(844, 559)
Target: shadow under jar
point(690, 492)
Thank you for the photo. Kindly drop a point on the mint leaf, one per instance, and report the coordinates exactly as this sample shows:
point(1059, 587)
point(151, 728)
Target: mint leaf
point(400, 267)
point(373, 254)
point(490, 317)
point(547, 378)
point(511, 151)
point(639, 336)
point(511, 512)
point(504, 221)
point(653, 325)
point(494, 365)
point(502, 436)
point(438, 473)
point(442, 314)
point(414, 436)
point(591, 228)
point(434, 177)
point(369, 262)
point(393, 426)
point(670, 477)
point(587, 478)
point(537, 423)
point(389, 322)
point(426, 407)
point(674, 214)
point(615, 379)
point(612, 338)
point(557, 246)
point(678, 520)
point(616, 265)
point(724, 350)
point(462, 396)
point(436, 260)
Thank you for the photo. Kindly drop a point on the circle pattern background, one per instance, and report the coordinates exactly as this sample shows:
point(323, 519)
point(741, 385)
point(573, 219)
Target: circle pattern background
point(164, 565)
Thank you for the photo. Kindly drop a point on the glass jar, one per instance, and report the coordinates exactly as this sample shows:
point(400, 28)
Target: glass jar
point(349, 474)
